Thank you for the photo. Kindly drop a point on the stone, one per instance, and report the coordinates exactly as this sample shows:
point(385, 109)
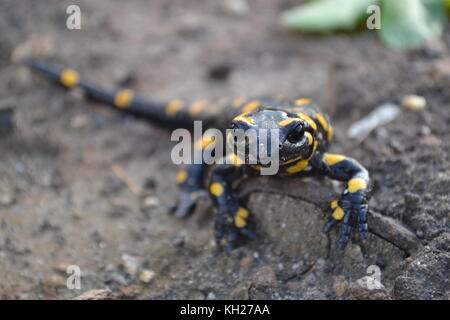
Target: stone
point(146, 275)
point(340, 286)
point(96, 294)
point(368, 288)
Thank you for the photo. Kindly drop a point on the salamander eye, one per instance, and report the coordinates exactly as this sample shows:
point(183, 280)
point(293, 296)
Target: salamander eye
point(296, 134)
point(233, 125)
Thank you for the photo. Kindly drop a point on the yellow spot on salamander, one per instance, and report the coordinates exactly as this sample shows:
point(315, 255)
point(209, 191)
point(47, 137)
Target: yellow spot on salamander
point(330, 133)
point(310, 138)
point(334, 204)
point(243, 118)
point(182, 176)
point(123, 98)
point(69, 78)
point(204, 142)
point(326, 126)
point(239, 222)
point(299, 166)
point(302, 101)
point(356, 184)
point(235, 160)
point(216, 189)
point(316, 144)
point(197, 107)
point(238, 102)
point(173, 107)
point(331, 159)
point(292, 160)
point(308, 119)
point(323, 121)
point(338, 213)
point(251, 106)
point(242, 212)
point(287, 121)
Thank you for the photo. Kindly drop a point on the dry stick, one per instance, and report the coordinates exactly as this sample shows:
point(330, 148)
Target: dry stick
point(384, 227)
point(122, 176)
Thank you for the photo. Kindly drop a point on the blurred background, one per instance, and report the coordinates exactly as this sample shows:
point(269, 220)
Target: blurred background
point(83, 185)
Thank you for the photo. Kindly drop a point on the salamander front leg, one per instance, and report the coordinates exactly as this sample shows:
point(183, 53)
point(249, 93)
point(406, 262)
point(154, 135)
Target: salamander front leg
point(231, 218)
point(352, 207)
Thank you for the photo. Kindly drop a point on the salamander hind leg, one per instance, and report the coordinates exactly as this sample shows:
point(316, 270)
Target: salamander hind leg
point(190, 180)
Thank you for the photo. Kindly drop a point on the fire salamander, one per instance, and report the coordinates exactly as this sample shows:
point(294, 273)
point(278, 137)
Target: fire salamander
point(304, 135)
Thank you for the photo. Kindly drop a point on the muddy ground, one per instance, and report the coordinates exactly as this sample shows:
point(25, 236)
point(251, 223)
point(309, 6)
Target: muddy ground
point(83, 185)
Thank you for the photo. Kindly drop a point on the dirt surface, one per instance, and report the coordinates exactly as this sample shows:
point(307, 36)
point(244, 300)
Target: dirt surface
point(62, 202)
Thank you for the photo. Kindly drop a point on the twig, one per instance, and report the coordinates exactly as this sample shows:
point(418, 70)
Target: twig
point(122, 176)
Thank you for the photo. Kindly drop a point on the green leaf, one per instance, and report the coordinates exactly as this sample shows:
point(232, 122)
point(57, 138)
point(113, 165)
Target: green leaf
point(327, 15)
point(407, 24)
point(447, 5)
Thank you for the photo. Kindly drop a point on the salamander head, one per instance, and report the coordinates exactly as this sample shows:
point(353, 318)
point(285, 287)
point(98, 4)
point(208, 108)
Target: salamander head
point(269, 132)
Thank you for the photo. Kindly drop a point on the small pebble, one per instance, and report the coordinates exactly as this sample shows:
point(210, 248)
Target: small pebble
point(79, 121)
point(430, 140)
point(146, 275)
point(278, 252)
point(367, 288)
point(6, 198)
point(340, 286)
point(116, 277)
point(441, 72)
point(61, 267)
point(197, 295)
point(237, 7)
point(36, 46)
point(150, 202)
point(293, 285)
point(211, 296)
point(414, 102)
point(130, 264)
point(412, 201)
point(265, 277)
point(246, 261)
point(178, 240)
point(96, 294)
point(54, 281)
point(129, 291)
point(425, 130)
point(239, 293)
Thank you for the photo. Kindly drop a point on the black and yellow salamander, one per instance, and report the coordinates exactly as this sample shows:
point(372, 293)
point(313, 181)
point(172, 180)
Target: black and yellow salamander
point(304, 136)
